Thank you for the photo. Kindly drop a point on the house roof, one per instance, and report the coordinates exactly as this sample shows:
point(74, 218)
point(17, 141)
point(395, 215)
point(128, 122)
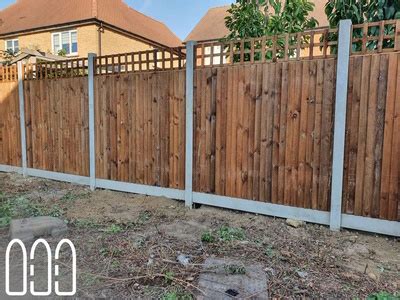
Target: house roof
point(212, 25)
point(26, 53)
point(28, 15)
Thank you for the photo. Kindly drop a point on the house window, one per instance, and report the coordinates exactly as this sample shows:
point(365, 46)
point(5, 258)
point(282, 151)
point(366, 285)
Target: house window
point(66, 41)
point(12, 46)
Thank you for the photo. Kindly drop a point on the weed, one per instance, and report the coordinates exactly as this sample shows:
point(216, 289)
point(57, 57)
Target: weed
point(112, 252)
point(384, 296)
point(177, 295)
point(71, 196)
point(114, 229)
point(269, 252)
point(208, 237)
point(88, 280)
point(144, 216)
point(169, 277)
point(228, 234)
point(235, 269)
point(21, 207)
point(86, 223)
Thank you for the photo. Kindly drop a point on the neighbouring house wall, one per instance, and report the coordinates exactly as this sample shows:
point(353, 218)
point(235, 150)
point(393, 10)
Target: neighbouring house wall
point(113, 42)
point(88, 41)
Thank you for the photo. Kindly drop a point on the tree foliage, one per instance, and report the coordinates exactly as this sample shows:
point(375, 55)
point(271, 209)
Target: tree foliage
point(256, 18)
point(361, 11)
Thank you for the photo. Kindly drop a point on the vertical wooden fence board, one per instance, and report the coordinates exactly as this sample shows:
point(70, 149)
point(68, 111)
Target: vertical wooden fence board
point(140, 128)
point(10, 141)
point(57, 126)
point(277, 122)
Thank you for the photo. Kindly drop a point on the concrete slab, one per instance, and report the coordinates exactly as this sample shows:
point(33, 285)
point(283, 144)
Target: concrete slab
point(27, 230)
point(219, 281)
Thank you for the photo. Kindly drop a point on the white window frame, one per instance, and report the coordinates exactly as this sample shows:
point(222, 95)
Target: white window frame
point(60, 40)
point(13, 44)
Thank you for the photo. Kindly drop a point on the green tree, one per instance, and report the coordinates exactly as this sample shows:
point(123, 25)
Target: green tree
point(361, 11)
point(257, 18)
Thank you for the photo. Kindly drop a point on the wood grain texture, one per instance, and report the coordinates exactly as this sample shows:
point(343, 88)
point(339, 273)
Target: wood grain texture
point(10, 133)
point(56, 116)
point(140, 128)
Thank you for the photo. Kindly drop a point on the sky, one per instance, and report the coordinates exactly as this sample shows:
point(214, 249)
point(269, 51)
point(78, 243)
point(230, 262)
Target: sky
point(180, 15)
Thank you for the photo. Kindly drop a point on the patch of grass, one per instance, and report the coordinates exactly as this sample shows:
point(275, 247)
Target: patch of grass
point(235, 269)
point(144, 216)
point(225, 234)
point(21, 207)
point(111, 252)
point(228, 234)
point(169, 277)
point(86, 223)
point(88, 280)
point(70, 196)
point(384, 296)
point(208, 237)
point(114, 229)
point(269, 252)
point(177, 294)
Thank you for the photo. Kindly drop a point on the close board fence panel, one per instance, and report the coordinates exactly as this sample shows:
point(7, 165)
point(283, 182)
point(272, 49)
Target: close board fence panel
point(264, 132)
point(140, 128)
point(263, 124)
point(372, 169)
point(10, 134)
point(57, 132)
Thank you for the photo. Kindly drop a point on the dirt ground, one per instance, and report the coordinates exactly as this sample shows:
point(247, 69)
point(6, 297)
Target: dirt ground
point(127, 245)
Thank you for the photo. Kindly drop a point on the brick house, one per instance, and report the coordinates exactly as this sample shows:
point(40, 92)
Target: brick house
point(78, 27)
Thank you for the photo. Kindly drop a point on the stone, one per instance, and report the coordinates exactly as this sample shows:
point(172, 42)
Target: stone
point(218, 284)
point(28, 230)
point(302, 274)
point(295, 223)
point(183, 259)
point(372, 276)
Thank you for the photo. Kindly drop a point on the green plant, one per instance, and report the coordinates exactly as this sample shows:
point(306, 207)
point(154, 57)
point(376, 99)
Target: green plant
point(361, 11)
point(114, 229)
point(177, 294)
point(144, 216)
point(257, 18)
point(227, 234)
point(21, 207)
point(71, 196)
point(235, 269)
point(62, 52)
point(269, 252)
point(208, 237)
point(85, 223)
point(169, 277)
point(384, 296)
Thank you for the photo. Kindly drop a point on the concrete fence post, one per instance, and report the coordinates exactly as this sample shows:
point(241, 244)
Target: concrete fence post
point(342, 78)
point(190, 64)
point(92, 149)
point(22, 117)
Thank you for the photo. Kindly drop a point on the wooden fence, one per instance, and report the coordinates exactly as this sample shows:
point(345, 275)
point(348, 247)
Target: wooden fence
point(263, 125)
point(372, 168)
point(10, 133)
point(140, 128)
point(57, 132)
point(264, 132)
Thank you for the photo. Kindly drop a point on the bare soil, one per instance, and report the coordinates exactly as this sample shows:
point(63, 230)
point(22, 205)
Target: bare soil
point(127, 246)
